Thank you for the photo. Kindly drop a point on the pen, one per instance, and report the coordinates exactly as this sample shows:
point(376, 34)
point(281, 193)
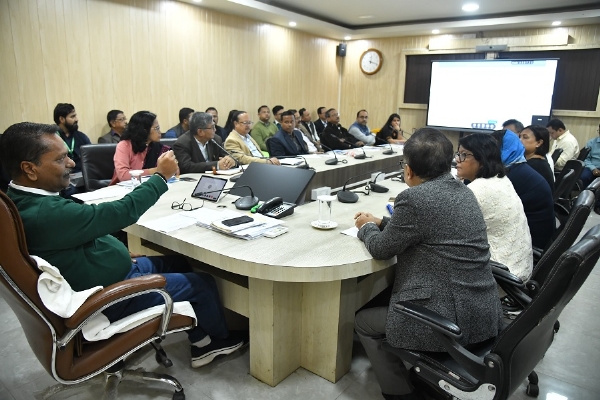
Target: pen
point(390, 209)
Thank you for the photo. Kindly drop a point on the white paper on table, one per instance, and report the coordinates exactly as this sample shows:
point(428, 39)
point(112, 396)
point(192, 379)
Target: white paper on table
point(170, 223)
point(231, 171)
point(291, 161)
point(104, 193)
point(206, 216)
point(351, 232)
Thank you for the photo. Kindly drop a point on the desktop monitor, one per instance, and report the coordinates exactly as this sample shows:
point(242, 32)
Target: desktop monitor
point(268, 181)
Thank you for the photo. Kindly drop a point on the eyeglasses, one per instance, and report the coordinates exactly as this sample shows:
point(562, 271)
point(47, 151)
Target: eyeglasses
point(245, 122)
point(461, 157)
point(121, 119)
point(210, 128)
point(184, 206)
point(157, 128)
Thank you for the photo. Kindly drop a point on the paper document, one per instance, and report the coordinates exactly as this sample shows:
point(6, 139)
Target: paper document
point(117, 192)
point(231, 171)
point(170, 223)
point(291, 161)
point(351, 231)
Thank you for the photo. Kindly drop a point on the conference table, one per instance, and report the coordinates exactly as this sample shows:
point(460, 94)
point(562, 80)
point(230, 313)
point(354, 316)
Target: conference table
point(299, 291)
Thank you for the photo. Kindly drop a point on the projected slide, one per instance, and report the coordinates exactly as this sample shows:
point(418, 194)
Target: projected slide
point(483, 94)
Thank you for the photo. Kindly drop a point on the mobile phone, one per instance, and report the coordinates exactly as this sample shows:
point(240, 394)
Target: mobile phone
point(237, 221)
point(187, 179)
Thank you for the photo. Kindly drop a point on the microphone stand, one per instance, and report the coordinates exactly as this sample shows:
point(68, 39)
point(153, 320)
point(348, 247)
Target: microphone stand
point(242, 203)
point(332, 161)
point(377, 188)
point(237, 164)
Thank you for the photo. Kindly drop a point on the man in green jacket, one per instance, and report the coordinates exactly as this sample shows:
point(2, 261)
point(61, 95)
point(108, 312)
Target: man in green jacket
point(76, 237)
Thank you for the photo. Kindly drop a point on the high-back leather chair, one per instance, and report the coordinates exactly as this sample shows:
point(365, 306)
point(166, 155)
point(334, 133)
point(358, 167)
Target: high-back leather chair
point(583, 153)
point(97, 165)
point(57, 342)
point(556, 154)
point(495, 369)
point(168, 141)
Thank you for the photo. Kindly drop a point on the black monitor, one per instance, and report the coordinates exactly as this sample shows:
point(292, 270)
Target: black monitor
point(268, 181)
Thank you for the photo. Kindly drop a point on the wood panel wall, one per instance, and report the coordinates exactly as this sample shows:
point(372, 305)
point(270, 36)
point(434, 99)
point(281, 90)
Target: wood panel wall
point(161, 55)
point(157, 55)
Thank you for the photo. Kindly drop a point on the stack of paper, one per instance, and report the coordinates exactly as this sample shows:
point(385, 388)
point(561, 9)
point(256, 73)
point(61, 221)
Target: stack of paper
point(212, 219)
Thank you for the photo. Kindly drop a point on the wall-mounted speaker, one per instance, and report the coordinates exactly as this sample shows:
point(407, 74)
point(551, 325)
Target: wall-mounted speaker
point(340, 50)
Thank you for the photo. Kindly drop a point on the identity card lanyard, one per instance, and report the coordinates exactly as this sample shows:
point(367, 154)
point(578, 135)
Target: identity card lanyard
point(70, 148)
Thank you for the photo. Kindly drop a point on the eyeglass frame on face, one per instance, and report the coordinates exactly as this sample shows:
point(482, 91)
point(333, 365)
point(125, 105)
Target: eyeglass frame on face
point(120, 119)
point(245, 122)
point(212, 128)
point(184, 206)
point(156, 128)
point(462, 157)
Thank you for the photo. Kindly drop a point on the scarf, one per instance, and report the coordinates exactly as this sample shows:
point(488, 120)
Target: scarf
point(513, 151)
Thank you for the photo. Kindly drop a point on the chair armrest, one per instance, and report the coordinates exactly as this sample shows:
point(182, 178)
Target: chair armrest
point(503, 276)
point(430, 318)
point(537, 254)
point(498, 265)
point(112, 293)
point(446, 332)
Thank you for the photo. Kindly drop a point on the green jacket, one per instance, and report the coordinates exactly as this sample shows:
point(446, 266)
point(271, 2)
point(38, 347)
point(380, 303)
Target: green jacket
point(261, 132)
point(76, 238)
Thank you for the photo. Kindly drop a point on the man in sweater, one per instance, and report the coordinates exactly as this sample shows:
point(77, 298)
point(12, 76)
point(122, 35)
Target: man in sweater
point(360, 130)
point(76, 237)
point(264, 129)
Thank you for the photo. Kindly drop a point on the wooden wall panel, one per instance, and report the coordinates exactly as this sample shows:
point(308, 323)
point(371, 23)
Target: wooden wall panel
point(157, 55)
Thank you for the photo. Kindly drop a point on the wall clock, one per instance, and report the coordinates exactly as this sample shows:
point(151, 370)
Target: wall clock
point(371, 61)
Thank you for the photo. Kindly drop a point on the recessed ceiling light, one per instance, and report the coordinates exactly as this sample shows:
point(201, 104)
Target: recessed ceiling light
point(470, 7)
point(292, 23)
point(365, 16)
point(435, 31)
point(556, 23)
point(347, 37)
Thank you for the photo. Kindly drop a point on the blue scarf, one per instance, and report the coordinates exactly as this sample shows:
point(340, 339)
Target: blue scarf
point(513, 151)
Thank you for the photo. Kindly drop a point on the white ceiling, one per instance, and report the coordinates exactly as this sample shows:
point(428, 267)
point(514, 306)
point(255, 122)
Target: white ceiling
point(384, 18)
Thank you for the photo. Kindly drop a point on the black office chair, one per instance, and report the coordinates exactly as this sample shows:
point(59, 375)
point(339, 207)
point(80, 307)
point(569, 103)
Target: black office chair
point(555, 154)
point(564, 196)
point(593, 187)
point(168, 141)
point(583, 153)
point(97, 165)
point(495, 369)
point(268, 144)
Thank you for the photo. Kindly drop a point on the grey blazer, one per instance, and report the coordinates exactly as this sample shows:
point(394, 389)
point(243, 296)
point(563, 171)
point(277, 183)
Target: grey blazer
point(438, 235)
point(190, 157)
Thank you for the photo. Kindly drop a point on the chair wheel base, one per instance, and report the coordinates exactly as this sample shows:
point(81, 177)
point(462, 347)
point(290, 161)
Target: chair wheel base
point(533, 378)
point(532, 390)
point(179, 395)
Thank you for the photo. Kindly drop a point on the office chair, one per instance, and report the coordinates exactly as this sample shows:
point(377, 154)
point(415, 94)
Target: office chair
point(493, 370)
point(564, 197)
point(593, 187)
point(168, 141)
point(555, 154)
point(583, 153)
point(97, 165)
point(57, 342)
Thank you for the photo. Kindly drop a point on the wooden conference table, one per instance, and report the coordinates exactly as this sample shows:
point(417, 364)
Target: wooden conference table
point(300, 290)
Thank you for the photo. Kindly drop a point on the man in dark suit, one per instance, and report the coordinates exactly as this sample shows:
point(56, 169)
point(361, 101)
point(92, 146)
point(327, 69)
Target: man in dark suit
point(287, 141)
point(196, 152)
point(335, 136)
point(118, 123)
point(321, 123)
point(438, 235)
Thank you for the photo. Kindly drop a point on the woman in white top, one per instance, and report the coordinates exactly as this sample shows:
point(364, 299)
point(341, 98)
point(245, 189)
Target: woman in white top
point(478, 160)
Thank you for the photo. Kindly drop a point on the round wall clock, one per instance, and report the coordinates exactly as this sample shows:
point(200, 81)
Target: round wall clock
point(371, 61)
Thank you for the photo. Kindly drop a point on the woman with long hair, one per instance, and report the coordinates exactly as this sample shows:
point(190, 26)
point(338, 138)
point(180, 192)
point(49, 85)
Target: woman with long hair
point(536, 140)
point(391, 131)
point(139, 147)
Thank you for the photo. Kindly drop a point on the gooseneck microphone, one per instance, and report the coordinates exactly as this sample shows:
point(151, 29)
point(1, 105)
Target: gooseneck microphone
point(377, 188)
point(346, 196)
point(246, 202)
point(389, 151)
point(331, 161)
point(237, 164)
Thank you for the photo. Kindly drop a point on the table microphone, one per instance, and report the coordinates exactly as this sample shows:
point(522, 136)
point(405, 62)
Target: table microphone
point(346, 196)
point(237, 164)
point(377, 188)
point(357, 156)
point(331, 161)
point(246, 202)
point(389, 151)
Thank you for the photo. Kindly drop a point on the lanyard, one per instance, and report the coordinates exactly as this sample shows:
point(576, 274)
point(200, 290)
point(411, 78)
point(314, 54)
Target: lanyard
point(70, 148)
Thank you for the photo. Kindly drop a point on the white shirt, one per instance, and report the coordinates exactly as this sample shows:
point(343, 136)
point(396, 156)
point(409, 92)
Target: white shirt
point(570, 147)
point(32, 190)
point(506, 223)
